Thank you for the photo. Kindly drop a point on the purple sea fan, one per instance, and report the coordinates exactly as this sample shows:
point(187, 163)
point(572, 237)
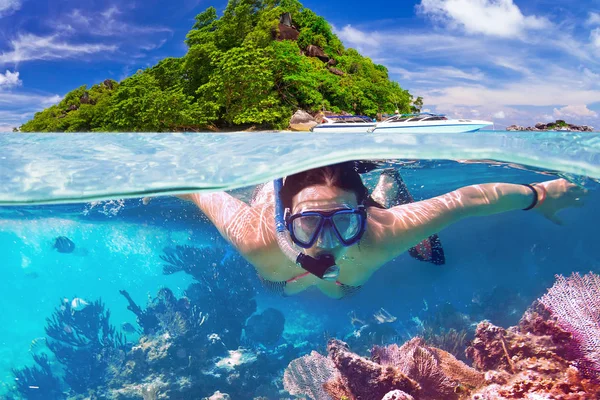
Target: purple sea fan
point(307, 375)
point(575, 303)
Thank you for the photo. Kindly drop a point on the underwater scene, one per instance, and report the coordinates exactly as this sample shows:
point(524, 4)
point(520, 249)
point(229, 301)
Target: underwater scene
point(114, 288)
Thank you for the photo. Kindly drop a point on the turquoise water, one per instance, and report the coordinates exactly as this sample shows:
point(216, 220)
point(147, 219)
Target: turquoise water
point(88, 188)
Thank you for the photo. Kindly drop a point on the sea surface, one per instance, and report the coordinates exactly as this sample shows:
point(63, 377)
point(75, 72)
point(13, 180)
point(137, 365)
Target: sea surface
point(84, 217)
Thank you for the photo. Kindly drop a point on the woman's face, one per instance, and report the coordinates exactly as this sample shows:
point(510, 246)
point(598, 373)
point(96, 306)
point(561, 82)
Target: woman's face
point(324, 198)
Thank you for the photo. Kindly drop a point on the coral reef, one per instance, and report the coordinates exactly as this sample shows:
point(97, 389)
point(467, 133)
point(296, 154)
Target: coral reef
point(38, 382)
point(200, 346)
point(412, 370)
point(438, 372)
point(550, 354)
point(265, 328)
point(84, 342)
point(503, 306)
point(575, 303)
point(532, 360)
point(220, 274)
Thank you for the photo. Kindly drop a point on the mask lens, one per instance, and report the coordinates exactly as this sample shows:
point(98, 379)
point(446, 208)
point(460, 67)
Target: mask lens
point(305, 227)
point(347, 224)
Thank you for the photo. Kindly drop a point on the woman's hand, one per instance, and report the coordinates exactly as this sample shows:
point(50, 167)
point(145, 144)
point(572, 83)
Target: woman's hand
point(560, 194)
point(186, 197)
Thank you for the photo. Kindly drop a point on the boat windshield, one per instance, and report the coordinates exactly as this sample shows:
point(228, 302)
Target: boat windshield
point(348, 119)
point(416, 117)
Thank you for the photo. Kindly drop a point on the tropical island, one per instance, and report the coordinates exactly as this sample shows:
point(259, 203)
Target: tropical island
point(558, 125)
point(251, 68)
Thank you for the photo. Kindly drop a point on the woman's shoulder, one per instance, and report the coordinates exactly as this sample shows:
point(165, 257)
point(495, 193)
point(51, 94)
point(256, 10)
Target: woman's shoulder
point(263, 195)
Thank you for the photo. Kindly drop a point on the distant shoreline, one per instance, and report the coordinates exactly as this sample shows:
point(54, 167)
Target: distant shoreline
point(558, 125)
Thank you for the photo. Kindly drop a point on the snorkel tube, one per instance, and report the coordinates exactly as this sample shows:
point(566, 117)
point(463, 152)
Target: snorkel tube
point(323, 266)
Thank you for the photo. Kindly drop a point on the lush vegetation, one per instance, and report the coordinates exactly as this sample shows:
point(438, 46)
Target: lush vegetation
point(237, 72)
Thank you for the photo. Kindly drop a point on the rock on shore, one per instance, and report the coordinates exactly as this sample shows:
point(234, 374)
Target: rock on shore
point(559, 125)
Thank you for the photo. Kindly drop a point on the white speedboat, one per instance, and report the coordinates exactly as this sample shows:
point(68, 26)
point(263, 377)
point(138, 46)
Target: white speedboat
point(344, 124)
point(427, 122)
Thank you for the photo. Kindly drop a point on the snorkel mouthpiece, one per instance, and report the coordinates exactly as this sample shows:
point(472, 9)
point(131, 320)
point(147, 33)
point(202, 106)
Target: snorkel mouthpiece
point(323, 266)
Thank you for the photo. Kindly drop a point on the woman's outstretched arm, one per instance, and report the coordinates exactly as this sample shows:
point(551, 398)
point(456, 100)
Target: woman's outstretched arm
point(395, 230)
point(243, 226)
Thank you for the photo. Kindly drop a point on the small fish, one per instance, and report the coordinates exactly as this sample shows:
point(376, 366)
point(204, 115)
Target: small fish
point(31, 275)
point(202, 319)
point(68, 329)
point(383, 316)
point(128, 328)
point(63, 244)
point(78, 304)
point(37, 344)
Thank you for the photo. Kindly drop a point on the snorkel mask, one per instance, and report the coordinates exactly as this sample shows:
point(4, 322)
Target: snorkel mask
point(304, 229)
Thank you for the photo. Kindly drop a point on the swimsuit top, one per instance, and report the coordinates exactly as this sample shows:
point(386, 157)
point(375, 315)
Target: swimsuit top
point(278, 287)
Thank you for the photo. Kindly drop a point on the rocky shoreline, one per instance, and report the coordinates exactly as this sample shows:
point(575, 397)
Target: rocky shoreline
point(559, 125)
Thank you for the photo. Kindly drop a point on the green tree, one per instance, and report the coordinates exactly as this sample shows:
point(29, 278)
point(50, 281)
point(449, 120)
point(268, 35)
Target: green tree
point(417, 104)
point(234, 74)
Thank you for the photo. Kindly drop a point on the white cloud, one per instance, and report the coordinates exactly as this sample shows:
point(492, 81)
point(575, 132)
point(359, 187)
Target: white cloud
point(547, 118)
point(8, 7)
point(519, 93)
point(574, 111)
point(26, 100)
point(359, 38)
point(501, 18)
point(28, 47)
point(18, 108)
point(499, 115)
point(593, 19)
point(103, 23)
point(439, 73)
point(595, 37)
point(9, 79)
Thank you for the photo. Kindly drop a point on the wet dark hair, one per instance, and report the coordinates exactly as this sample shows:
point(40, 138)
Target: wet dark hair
point(344, 175)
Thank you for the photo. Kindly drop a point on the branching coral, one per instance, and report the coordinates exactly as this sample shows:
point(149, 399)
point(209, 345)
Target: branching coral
point(219, 274)
point(83, 341)
point(38, 382)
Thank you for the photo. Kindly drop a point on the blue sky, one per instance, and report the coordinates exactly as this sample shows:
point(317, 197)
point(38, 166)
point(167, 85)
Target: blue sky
point(512, 61)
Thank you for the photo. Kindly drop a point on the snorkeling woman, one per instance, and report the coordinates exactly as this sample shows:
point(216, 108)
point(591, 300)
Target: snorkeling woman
point(323, 228)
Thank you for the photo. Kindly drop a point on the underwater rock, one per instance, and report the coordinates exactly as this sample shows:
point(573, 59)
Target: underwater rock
point(265, 328)
point(152, 387)
point(154, 348)
point(63, 244)
point(366, 379)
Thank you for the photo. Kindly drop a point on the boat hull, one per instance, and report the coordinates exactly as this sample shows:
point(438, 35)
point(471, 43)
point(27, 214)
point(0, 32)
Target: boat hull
point(430, 128)
point(359, 128)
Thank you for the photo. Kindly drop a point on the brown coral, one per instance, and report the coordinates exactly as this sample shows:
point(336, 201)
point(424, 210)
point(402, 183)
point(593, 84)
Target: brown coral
point(366, 379)
point(438, 372)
